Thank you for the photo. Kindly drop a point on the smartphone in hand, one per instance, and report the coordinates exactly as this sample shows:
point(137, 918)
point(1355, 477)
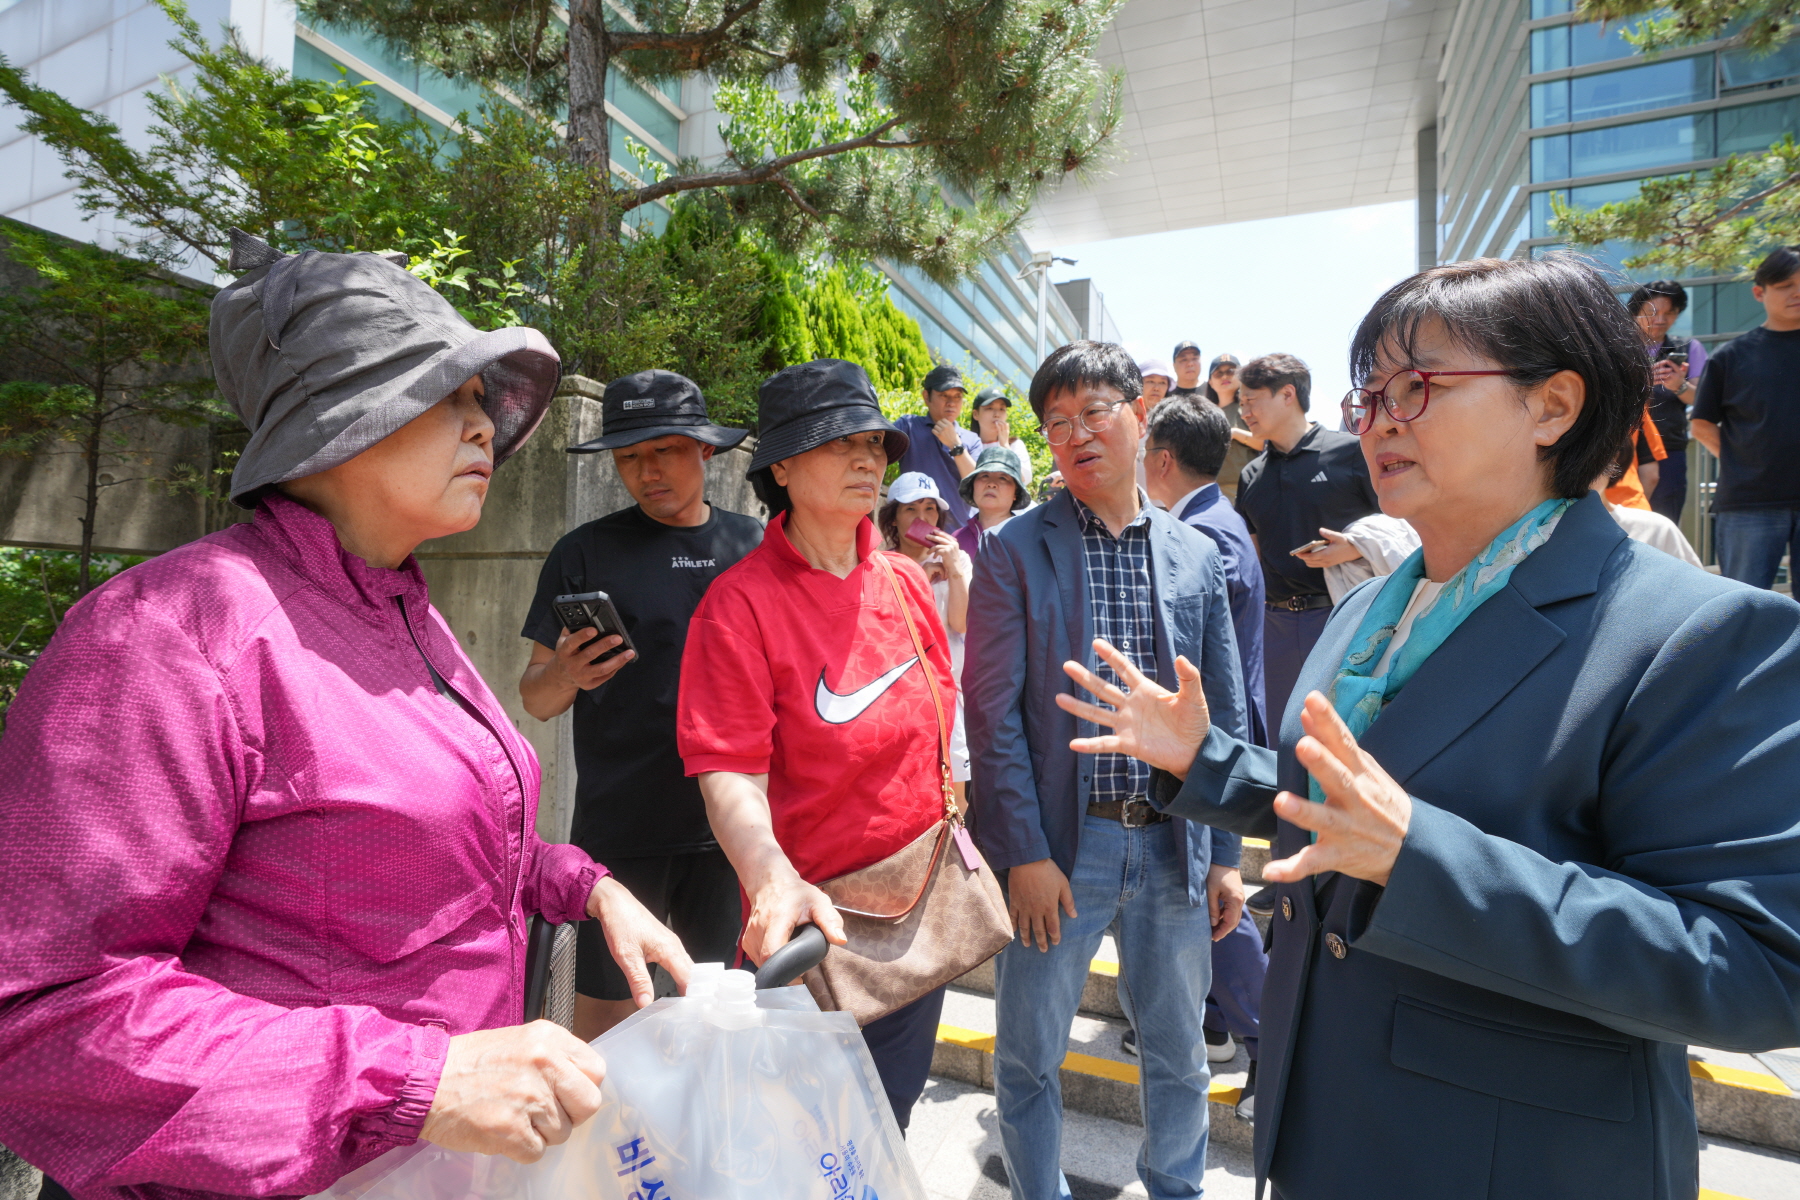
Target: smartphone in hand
point(1310, 547)
point(593, 610)
point(923, 532)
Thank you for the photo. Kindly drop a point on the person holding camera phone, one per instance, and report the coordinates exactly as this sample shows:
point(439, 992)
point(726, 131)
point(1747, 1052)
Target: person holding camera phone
point(1676, 365)
point(635, 808)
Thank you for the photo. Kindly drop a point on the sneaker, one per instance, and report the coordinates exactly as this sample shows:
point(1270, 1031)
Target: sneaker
point(1128, 1043)
point(1219, 1046)
point(1246, 1106)
point(1262, 901)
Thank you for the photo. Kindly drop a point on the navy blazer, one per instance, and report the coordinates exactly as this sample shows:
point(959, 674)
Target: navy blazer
point(1603, 865)
point(1211, 513)
point(1028, 614)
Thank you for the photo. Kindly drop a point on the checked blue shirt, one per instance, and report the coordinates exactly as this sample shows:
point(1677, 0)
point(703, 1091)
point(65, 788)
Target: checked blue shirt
point(1123, 600)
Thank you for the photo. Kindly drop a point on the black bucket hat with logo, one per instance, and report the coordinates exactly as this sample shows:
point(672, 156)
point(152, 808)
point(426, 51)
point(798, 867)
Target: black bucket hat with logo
point(801, 407)
point(654, 404)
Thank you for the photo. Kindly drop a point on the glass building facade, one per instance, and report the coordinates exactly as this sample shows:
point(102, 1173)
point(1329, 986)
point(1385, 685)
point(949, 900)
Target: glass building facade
point(986, 324)
point(1535, 103)
point(1538, 104)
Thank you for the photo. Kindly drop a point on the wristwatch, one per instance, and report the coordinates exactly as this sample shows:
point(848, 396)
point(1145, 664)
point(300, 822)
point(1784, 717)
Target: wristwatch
point(957, 449)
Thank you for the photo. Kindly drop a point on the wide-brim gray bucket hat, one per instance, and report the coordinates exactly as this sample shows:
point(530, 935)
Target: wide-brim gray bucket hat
point(996, 460)
point(323, 355)
point(801, 407)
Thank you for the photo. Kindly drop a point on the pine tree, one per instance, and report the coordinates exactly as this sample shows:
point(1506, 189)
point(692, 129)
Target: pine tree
point(1722, 219)
point(914, 130)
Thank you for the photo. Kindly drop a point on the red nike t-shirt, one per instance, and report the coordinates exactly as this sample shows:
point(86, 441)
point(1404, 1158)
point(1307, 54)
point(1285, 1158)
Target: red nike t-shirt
point(813, 679)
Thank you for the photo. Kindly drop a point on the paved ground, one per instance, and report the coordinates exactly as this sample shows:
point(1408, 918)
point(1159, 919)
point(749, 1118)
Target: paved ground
point(955, 1141)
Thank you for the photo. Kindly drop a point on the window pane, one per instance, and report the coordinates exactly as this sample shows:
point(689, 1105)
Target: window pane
point(1752, 127)
point(1550, 158)
point(1742, 68)
point(1644, 144)
point(1541, 212)
point(1736, 310)
point(1549, 48)
point(1549, 103)
point(1548, 8)
point(1657, 85)
point(1594, 43)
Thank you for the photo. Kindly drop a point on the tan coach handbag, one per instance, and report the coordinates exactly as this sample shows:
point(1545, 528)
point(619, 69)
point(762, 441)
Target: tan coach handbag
point(920, 917)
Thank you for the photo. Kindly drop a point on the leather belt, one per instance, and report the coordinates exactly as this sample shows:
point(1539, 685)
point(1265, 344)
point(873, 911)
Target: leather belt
point(1132, 814)
point(1299, 603)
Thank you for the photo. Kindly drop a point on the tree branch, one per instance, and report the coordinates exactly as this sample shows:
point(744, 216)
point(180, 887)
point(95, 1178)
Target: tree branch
point(758, 174)
point(784, 185)
point(694, 44)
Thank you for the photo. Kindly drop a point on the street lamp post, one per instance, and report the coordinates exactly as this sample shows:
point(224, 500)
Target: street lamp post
point(1041, 261)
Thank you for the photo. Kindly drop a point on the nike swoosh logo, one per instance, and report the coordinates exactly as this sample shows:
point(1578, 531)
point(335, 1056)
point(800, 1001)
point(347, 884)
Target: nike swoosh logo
point(841, 710)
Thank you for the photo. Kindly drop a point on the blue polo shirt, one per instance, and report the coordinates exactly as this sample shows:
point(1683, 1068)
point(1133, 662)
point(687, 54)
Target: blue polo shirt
point(931, 456)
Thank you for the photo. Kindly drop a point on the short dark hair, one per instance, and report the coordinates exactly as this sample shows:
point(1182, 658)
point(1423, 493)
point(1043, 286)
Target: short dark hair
point(1079, 363)
point(772, 494)
point(1779, 267)
point(1668, 289)
point(1276, 371)
point(1533, 318)
point(1197, 432)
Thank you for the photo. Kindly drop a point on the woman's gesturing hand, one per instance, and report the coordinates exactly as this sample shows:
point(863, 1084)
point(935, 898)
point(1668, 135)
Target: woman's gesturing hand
point(514, 1091)
point(1363, 822)
point(637, 939)
point(1148, 721)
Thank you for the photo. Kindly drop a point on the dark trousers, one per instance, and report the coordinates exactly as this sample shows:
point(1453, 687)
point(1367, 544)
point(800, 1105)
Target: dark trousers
point(1752, 542)
point(1238, 967)
point(1288, 637)
point(1671, 487)
point(901, 1044)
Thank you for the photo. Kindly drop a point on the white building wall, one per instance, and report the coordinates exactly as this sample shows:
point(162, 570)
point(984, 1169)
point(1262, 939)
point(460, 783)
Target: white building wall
point(106, 55)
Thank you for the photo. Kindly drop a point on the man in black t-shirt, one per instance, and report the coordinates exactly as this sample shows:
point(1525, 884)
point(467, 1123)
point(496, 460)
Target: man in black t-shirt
point(1747, 413)
point(1307, 479)
point(636, 811)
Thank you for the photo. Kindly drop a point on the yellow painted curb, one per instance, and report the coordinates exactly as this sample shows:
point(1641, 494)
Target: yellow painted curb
point(1259, 843)
point(1709, 1194)
point(968, 1039)
point(1755, 1081)
point(1081, 1064)
point(1100, 966)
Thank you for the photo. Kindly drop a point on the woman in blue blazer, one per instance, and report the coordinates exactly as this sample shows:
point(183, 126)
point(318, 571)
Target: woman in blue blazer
point(1535, 804)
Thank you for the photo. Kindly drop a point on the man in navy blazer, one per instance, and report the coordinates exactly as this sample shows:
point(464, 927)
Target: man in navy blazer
point(1184, 451)
point(1083, 850)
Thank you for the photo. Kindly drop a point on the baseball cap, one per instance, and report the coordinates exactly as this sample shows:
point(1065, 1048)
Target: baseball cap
point(942, 379)
point(914, 485)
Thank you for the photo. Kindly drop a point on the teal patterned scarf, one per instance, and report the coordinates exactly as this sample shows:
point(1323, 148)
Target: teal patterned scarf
point(1355, 694)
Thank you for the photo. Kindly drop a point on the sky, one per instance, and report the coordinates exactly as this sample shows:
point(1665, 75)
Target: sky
point(1295, 284)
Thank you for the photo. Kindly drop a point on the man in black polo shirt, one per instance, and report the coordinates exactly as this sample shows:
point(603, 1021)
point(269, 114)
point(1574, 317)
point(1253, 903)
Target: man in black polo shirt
point(636, 811)
point(1307, 479)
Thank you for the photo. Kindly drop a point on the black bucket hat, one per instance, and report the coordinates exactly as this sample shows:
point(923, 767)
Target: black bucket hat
point(654, 404)
point(802, 407)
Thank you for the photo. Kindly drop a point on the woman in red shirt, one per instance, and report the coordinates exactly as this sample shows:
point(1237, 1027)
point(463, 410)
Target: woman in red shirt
point(804, 708)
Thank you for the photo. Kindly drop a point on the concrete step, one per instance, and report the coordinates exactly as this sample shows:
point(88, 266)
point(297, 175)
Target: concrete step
point(1097, 1077)
point(1734, 1096)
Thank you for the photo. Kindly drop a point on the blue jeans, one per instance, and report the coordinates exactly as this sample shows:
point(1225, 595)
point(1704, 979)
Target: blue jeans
point(1133, 882)
point(1752, 541)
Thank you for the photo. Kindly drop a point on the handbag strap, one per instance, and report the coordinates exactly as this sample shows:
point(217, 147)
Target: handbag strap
point(951, 813)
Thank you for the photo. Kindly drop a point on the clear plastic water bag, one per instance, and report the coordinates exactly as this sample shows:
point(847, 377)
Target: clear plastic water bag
point(725, 1094)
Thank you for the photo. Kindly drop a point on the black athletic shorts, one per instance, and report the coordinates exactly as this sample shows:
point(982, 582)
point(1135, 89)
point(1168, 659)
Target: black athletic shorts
point(696, 895)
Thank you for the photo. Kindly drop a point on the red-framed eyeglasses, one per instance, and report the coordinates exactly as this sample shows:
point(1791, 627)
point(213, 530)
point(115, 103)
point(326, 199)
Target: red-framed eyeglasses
point(1405, 396)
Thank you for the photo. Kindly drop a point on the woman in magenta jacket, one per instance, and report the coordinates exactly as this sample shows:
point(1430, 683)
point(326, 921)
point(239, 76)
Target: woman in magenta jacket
point(267, 841)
